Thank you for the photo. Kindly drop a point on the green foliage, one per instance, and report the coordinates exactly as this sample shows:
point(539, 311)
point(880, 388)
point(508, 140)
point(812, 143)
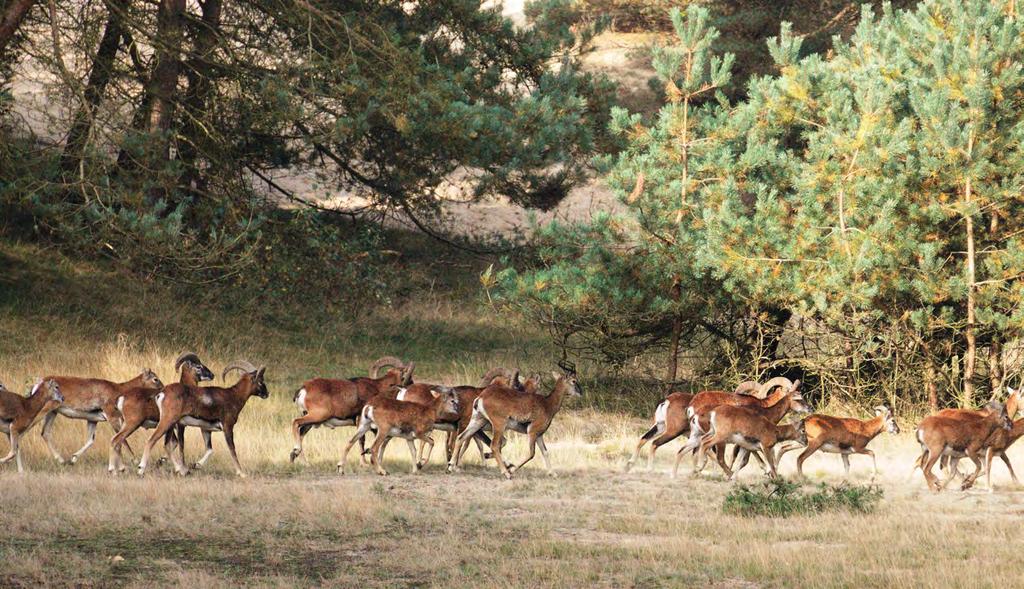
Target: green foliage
point(392, 102)
point(448, 85)
point(315, 257)
point(746, 26)
point(612, 286)
point(839, 193)
point(848, 181)
point(781, 498)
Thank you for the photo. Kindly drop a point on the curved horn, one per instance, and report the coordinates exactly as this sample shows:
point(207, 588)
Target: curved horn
point(184, 357)
point(494, 373)
point(778, 381)
point(385, 361)
point(238, 365)
point(407, 372)
point(747, 387)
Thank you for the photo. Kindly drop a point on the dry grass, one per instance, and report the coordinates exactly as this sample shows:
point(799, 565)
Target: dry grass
point(292, 525)
point(591, 526)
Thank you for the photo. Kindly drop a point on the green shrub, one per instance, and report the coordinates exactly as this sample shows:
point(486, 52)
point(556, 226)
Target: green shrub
point(781, 498)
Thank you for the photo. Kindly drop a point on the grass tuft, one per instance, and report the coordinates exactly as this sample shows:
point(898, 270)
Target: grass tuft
point(782, 498)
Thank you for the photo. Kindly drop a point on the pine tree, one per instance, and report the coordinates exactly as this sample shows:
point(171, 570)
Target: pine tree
point(874, 193)
point(880, 175)
point(619, 285)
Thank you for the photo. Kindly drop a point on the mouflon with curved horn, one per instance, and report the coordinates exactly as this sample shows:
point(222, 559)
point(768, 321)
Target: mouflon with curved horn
point(139, 410)
point(208, 408)
point(337, 402)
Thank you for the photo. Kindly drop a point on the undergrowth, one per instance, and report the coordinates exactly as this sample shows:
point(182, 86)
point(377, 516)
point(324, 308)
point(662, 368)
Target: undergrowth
point(782, 498)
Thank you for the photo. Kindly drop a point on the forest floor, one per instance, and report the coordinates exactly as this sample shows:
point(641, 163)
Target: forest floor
point(305, 525)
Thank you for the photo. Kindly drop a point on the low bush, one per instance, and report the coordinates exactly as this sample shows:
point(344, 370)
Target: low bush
point(781, 498)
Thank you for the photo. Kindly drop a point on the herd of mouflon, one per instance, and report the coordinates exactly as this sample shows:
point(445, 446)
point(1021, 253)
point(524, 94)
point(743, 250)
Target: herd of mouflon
point(389, 403)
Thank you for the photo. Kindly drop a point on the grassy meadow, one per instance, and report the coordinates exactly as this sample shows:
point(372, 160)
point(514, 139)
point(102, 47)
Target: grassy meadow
point(298, 525)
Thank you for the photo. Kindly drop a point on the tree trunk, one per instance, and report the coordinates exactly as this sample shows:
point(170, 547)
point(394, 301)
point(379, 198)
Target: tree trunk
point(200, 87)
point(996, 368)
point(851, 365)
point(126, 159)
point(673, 346)
point(11, 20)
point(995, 364)
point(777, 319)
point(971, 334)
point(99, 77)
point(929, 379)
point(162, 86)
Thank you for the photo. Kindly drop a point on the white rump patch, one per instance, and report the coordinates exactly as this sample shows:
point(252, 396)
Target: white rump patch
point(120, 403)
point(401, 394)
point(661, 412)
point(368, 413)
point(300, 399)
point(478, 407)
point(160, 403)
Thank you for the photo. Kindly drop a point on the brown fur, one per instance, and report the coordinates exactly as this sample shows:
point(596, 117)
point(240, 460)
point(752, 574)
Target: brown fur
point(139, 408)
point(343, 399)
point(459, 419)
point(998, 443)
point(466, 396)
point(758, 432)
point(213, 404)
point(20, 413)
point(705, 402)
point(498, 405)
point(1012, 406)
point(676, 424)
point(844, 433)
point(92, 395)
point(773, 408)
point(393, 417)
point(938, 434)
